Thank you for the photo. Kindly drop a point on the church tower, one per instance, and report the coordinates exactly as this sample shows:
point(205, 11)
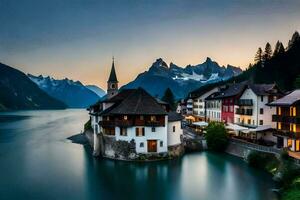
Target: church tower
point(112, 83)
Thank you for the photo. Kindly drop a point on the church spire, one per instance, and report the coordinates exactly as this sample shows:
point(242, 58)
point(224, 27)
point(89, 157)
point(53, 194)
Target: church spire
point(112, 83)
point(113, 76)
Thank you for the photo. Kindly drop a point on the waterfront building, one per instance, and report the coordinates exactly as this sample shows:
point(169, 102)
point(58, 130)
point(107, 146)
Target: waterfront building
point(135, 117)
point(287, 121)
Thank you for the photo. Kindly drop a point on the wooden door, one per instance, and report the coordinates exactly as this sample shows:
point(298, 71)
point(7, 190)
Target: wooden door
point(152, 146)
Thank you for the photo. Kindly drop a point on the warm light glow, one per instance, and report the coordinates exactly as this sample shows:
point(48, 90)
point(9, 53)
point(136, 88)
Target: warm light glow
point(279, 110)
point(279, 125)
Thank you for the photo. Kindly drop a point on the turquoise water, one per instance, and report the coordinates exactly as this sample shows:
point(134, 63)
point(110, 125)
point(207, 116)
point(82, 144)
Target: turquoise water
point(38, 162)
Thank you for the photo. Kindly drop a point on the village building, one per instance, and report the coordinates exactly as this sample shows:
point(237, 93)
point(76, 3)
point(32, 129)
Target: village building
point(197, 99)
point(252, 108)
point(134, 119)
point(287, 121)
point(213, 108)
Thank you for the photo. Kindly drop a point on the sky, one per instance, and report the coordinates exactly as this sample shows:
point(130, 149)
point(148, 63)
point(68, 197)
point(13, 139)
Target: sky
point(77, 38)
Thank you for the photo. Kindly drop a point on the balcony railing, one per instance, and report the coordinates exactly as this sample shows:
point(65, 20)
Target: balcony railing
point(241, 111)
point(106, 123)
point(286, 119)
point(124, 123)
point(155, 123)
point(285, 133)
point(244, 102)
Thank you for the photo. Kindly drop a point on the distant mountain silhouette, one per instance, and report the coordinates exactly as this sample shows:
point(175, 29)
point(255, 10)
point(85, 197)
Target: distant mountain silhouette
point(181, 80)
point(17, 91)
point(73, 93)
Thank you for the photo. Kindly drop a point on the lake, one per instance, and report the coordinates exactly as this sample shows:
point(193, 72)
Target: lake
point(38, 162)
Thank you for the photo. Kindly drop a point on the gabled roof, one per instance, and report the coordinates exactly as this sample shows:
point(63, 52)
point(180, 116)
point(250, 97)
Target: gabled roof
point(202, 90)
point(231, 90)
point(262, 89)
point(139, 102)
point(287, 100)
point(124, 93)
point(113, 76)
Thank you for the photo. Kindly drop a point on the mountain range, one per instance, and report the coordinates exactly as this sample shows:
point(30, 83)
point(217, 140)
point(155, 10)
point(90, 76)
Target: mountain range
point(73, 93)
point(17, 91)
point(181, 80)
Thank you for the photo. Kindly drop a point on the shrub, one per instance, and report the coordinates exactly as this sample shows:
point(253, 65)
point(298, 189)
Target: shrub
point(216, 136)
point(88, 125)
point(265, 161)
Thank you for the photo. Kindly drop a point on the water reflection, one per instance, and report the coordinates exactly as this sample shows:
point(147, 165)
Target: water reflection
point(36, 162)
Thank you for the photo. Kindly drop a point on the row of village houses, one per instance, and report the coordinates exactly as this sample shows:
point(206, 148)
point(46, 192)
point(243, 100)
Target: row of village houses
point(257, 112)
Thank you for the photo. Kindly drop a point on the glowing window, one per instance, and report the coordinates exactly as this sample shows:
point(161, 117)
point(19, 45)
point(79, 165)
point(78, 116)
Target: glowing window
point(279, 125)
point(279, 110)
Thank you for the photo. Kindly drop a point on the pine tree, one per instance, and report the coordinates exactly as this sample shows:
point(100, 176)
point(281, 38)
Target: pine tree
point(169, 98)
point(279, 49)
point(258, 56)
point(268, 52)
point(295, 39)
point(297, 82)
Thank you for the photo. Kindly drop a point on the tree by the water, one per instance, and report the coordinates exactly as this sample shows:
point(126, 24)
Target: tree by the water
point(169, 98)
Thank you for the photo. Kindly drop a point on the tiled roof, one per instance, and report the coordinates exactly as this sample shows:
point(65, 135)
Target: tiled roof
point(287, 100)
point(139, 102)
point(261, 89)
point(174, 116)
point(230, 91)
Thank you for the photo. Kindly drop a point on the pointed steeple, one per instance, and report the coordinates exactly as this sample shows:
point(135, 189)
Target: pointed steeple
point(113, 76)
point(112, 83)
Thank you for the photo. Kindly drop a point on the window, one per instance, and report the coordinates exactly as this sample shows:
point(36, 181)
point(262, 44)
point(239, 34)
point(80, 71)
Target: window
point(113, 86)
point(125, 117)
point(141, 117)
point(153, 129)
point(249, 121)
point(140, 131)
point(153, 118)
point(279, 125)
point(294, 111)
point(174, 128)
point(261, 122)
point(231, 108)
point(279, 110)
point(142, 144)
point(261, 98)
point(261, 111)
point(123, 131)
point(161, 143)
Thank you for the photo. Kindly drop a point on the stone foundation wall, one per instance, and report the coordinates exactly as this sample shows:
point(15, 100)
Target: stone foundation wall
point(176, 150)
point(123, 150)
point(237, 150)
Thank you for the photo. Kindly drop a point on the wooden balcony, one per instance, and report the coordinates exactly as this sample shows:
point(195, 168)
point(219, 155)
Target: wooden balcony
point(244, 102)
point(106, 123)
point(241, 111)
point(124, 123)
point(286, 133)
point(155, 123)
point(286, 119)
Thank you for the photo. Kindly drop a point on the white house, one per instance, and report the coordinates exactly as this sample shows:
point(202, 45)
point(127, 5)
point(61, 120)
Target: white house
point(252, 110)
point(134, 116)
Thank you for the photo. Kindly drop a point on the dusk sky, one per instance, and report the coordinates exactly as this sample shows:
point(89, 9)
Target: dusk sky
point(77, 38)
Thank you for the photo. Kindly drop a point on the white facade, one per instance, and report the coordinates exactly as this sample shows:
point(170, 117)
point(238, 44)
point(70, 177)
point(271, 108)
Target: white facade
point(199, 103)
point(174, 133)
point(213, 110)
point(151, 133)
point(168, 135)
point(260, 114)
